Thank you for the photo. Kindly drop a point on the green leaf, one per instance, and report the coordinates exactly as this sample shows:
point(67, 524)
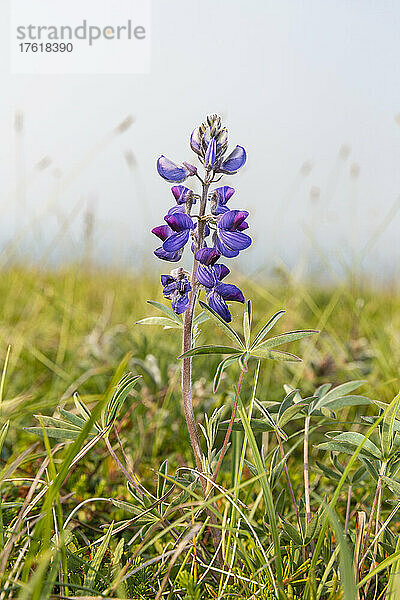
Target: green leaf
point(71, 418)
point(292, 533)
point(200, 318)
point(290, 413)
point(3, 434)
point(255, 424)
point(161, 480)
point(220, 369)
point(95, 564)
point(275, 355)
point(285, 338)
point(166, 310)
point(210, 350)
point(348, 441)
point(329, 473)
point(118, 398)
point(230, 332)
point(347, 401)
point(247, 319)
point(55, 432)
point(387, 427)
point(335, 393)
point(162, 321)
point(267, 327)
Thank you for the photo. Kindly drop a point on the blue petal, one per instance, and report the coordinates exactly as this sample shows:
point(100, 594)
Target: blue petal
point(224, 193)
point(170, 170)
point(181, 193)
point(179, 221)
point(176, 241)
point(170, 288)
point(217, 303)
point(224, 250)
point(195, 141)
point(206, 276)
point(234, 161)
point(209, 159)
point(232, 219)
point(179, 303)
point(169, 256)
point(228, 291)
point(166, 279)
point(235, 240)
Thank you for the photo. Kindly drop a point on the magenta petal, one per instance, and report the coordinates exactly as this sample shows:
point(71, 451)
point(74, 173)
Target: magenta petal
point(162, 232)
point(207, 256)
point(221, 271)
point(228, 291)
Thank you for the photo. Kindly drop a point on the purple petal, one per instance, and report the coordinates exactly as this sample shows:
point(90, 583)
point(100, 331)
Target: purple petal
point(169, 256)
point(176, 241)
point(191, 168)
point(195, 141)
point(232, 219)
point(180, 193)
point(228, 291)
point(221, 271)
point(217, 303)
point(170, 170)
point(179, 221)
point(209, 159)
point(206, 276)
point(179, 303)
point(234, 240)
point(234, 161)
point(178, 208)
point(224, 250)
point(207, 256)
point(170, 288)
point(166, 279)
point(162, 232)
point(224, 193)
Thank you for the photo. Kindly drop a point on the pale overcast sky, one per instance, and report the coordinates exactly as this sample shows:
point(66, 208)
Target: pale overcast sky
point(310, 88)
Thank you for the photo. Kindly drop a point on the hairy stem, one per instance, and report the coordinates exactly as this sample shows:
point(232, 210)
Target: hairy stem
point(306, 468)
point(187, 345)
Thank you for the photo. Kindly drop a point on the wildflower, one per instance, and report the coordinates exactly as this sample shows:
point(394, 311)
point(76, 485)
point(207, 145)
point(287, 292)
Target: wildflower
point(230, 238)
point(182, 225)
point(207, 256)
point(164, 232)
point(218, 293)
point(218, 199)
point(177, 288)
point(182, 194)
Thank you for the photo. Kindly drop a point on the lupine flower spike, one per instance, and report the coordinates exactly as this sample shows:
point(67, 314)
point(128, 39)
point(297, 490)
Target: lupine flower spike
point(209, 142)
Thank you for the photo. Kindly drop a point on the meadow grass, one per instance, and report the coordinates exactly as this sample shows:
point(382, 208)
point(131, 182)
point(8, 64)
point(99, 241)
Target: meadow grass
point(71, 526)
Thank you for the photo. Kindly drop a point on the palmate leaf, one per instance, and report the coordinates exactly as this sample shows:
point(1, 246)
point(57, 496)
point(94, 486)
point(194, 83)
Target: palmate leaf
point(226, 328)
point(118, 398)
point(267, 327)
point(284, 338)
point(348, 442)
point(255, 424)
point(328, 400)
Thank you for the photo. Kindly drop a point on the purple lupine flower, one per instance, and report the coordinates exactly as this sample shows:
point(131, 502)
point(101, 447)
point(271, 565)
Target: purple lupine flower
point(230, 238)
point(173, 172)
point(218, 199)
point(164, 232)
point(207, 256)
point(218, 293)
point(182, 225)
point(182, 194)
point(233, 162)
point(177, 288)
